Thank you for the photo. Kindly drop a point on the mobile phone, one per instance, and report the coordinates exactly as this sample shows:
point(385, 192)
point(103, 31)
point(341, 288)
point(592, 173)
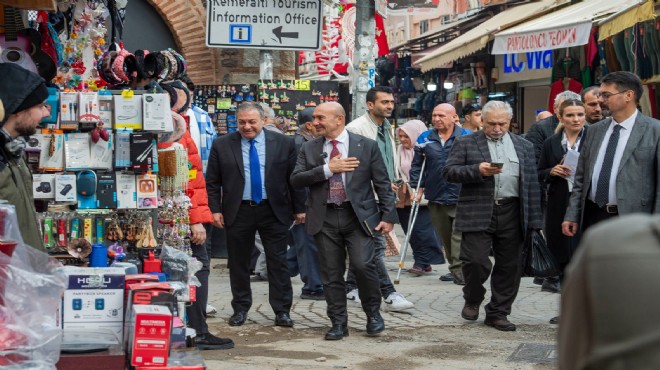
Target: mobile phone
point(497, 164)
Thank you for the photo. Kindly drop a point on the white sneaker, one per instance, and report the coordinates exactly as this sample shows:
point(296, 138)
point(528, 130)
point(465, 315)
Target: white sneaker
point(396, 302)
point(354, 297)
point(210, 310)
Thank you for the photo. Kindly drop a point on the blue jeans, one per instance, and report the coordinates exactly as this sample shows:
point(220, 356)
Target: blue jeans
point(386, 286)
point(303, 257)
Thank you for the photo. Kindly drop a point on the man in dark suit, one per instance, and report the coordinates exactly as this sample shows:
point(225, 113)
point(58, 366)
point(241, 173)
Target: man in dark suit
point(247, 182)
point(340, 169)
point(617, 173)
point(498, 203)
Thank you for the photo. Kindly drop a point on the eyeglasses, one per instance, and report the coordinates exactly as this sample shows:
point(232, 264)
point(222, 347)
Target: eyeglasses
point(607, 95)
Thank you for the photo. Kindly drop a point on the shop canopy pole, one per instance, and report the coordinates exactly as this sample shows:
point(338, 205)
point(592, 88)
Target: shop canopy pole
point(364, 66)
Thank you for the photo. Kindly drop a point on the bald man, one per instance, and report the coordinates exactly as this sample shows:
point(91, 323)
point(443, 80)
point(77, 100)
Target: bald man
point(543, 115)
point(441, 194)
point(342, 171)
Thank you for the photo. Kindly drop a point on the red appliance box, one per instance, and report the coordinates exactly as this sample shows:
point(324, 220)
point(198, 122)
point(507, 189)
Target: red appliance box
point(150, 330)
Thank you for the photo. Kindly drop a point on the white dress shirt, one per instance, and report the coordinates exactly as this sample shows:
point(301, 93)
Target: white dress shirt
point(343, 149)
point(624, 135)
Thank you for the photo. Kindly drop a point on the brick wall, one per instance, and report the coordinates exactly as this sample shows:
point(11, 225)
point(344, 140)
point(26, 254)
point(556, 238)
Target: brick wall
point(187, 22)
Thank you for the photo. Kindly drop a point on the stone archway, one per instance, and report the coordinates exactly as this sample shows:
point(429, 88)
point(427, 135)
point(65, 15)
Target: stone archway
point(208, 66)
point(187, 22)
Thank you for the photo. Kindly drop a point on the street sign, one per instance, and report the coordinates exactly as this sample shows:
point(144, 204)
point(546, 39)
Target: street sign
point(264, 24)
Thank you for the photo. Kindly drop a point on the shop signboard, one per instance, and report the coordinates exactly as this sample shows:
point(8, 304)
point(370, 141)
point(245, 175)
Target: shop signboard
point(524, 66)
point(264, 24)
point(556, 38)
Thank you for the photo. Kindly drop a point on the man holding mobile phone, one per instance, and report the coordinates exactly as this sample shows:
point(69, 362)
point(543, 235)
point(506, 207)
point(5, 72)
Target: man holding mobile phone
point(498, 203)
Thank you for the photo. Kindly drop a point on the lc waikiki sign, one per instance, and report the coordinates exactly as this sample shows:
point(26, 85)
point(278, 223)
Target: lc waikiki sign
point(557, 38)
point(524, 66)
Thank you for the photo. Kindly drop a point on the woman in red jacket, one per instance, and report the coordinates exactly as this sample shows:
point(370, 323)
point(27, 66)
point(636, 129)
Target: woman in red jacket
point(198, 213)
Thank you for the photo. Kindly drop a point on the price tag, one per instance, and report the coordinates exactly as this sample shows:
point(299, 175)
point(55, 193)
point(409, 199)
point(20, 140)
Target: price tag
point(302, 85)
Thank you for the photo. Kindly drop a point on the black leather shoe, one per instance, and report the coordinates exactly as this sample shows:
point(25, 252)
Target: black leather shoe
point(375, 324)
point(550, 285)
point(238, 318)
point(337, 332)
point(554, 320)
point(317, 296)
point(283, 319)
point(210, 341)
point(447, 277)
point(501, 324)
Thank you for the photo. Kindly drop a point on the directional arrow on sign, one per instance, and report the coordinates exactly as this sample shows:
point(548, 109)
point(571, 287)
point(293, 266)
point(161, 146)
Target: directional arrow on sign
point(279, 34)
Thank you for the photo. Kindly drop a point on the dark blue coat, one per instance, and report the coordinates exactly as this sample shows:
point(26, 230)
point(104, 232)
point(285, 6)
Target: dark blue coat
point(436, 188)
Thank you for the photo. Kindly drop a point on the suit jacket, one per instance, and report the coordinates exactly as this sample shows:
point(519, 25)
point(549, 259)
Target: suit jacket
point(225, 179)
point(476, 199)
point(540, 131)
point(359, 190)
point(605, 321)
point(638, 177)
point(558, 196)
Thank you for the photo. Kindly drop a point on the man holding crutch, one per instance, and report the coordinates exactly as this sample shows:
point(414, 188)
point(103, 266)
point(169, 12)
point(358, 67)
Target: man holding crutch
point(441, 194)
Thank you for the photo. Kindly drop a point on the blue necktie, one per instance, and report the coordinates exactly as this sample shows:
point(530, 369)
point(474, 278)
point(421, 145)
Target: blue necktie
point(255, 173)
point(603, 185)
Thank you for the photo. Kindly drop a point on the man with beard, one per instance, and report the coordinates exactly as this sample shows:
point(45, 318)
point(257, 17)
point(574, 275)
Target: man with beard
point(593, 110)
point(23, 94)
point(375, 126)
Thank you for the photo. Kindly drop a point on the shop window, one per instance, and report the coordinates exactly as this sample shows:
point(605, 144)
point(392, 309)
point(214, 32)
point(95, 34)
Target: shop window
point(423, 26)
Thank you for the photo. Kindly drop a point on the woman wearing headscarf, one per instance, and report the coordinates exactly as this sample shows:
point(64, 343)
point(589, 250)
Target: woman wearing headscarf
point(424, 241)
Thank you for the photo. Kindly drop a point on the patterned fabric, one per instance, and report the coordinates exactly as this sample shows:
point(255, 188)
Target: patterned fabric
point(255, 173)
point(337, 192)
point(475, 205)
point(207, 134)
point(603, 186)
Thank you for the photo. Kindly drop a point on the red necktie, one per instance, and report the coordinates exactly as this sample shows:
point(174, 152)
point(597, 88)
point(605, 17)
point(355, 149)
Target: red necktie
point(337, 193)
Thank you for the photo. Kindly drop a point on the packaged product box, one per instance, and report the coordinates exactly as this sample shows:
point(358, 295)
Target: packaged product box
point(149, 338)
point(94, 299)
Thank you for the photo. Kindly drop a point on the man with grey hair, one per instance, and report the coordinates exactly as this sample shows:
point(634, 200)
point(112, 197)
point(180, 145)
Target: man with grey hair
point(545, 128)
point(498, 204)
point(270, 119)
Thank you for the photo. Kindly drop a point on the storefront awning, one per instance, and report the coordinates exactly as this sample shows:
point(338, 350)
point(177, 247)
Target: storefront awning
point(31, 4)
point(478, 37)
point(626, 18)
point(563, 28)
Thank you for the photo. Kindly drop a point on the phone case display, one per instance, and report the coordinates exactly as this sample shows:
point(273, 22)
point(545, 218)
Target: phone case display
point(220, 102)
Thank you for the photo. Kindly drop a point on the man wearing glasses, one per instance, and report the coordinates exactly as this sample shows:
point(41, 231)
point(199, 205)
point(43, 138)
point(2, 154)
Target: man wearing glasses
point(617, 173)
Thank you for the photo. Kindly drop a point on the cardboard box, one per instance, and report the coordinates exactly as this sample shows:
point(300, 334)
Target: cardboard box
point(147, 191)
point(142, 151)
point(128, 111)
point(94, 299)
point(43, 186)
point(126, 191)
point(150, 330)
point(65, 188)
point(157, 113)
point(106, 190)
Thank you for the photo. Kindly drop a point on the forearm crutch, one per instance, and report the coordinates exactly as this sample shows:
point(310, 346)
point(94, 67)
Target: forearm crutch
point(411, 222)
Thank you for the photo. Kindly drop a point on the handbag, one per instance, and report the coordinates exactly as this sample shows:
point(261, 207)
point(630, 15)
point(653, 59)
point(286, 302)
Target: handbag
point(537, 259)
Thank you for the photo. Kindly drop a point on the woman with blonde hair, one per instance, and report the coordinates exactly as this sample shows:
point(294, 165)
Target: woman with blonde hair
point(424, 241)
point(569, 136)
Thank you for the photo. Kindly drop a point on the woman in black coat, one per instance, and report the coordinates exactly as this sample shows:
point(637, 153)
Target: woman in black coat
point(569, 135)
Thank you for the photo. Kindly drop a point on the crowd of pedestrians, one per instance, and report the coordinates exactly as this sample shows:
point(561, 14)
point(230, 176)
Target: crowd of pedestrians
point(480, 188)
